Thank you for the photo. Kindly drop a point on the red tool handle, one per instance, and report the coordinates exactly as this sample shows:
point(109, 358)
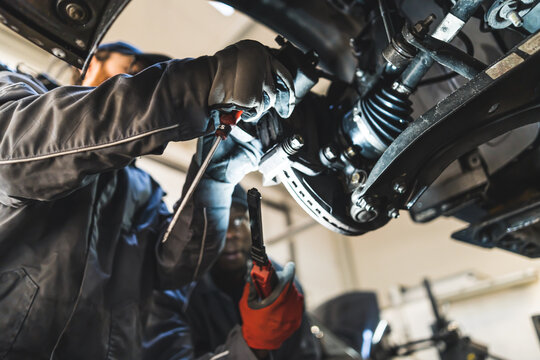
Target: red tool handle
point(226, 121)
point(265, 278)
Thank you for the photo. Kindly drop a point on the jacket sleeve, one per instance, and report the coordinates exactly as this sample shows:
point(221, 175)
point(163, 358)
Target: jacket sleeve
point(55, 142)
point(167, 333)
point(199, 234)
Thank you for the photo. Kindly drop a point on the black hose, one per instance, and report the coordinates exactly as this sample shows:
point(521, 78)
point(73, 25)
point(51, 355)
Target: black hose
point(469, 47)
point(500, 42)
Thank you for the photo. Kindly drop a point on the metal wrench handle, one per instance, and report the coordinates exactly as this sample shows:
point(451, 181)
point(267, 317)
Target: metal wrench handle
point(192, 187)
point(222, 131)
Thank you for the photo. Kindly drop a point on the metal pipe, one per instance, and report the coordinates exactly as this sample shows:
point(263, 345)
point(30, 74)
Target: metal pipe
point(448, 56)
point(192, 187)
point(386, 22)
point(447, 30)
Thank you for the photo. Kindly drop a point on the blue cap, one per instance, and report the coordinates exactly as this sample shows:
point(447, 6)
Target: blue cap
point(120, 47)
point(145, 59)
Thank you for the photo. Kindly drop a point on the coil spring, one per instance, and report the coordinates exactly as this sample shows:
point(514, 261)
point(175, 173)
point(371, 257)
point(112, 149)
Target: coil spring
point(387, 112)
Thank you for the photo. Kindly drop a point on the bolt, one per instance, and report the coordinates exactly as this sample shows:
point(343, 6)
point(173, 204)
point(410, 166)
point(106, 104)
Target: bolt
point(493, 108)
point(80, 61)
point(484, 239)
point(14, 28)
point(75, 12)
point(80, 43)
point(366, 204)
point(360, 73)
point(280, 40)
point(474, 161)
point(363, 211)
point(399, 187)
point(393, 213)
point(422, 27)
point(514, 18)
point(36, 41)
point(296, 142)
point(291, 145)
point(316, 331)
point(363, 216)
point(58, 53)
point(350, 152)
point(330, 153)
point(359, 177)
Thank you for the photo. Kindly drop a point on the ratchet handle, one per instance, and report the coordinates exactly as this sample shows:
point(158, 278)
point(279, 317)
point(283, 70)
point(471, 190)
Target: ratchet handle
point(226, 122)
point(263, 273)
point(265, 278)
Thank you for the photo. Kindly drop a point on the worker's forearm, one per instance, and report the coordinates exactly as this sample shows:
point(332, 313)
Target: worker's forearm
point(53, 142)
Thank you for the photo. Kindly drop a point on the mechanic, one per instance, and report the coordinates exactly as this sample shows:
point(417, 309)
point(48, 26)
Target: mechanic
point(196, 319)
point(80, 248)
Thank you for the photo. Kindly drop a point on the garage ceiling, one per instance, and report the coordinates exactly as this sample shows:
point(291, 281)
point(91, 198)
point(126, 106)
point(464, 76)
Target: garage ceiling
point(184, 28)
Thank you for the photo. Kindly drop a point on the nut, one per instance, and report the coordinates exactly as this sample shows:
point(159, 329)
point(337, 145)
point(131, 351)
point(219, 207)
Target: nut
point(393, 213)
point(399, 187)
point(350, 152)
point(330, 153)
point(75, 12)
point(58, 53)
point(80, 43)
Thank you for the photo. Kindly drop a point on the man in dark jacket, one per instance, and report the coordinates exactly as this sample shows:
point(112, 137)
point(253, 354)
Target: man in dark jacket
point(80, 226)
point(198, 318)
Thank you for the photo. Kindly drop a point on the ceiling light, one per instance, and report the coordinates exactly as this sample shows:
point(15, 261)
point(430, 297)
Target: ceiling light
point(224, 9)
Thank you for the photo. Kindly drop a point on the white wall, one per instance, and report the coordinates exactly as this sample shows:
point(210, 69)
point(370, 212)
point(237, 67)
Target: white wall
point(494, 312)
point(15, 50)
point(404, 252)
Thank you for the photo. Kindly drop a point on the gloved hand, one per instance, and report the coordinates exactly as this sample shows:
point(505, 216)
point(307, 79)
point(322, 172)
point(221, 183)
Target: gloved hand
point(267, 323)
point(249, 78)
point(232, 160)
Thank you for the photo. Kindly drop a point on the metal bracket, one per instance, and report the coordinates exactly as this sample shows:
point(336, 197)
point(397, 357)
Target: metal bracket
point(69, 29)
point(507, 231)
point(447, 55)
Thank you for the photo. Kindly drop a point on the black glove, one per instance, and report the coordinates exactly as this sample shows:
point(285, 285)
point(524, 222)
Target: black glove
point(249, 78)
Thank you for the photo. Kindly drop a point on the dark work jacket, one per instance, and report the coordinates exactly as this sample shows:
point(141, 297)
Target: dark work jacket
point(200, 317)
point(80, 228)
